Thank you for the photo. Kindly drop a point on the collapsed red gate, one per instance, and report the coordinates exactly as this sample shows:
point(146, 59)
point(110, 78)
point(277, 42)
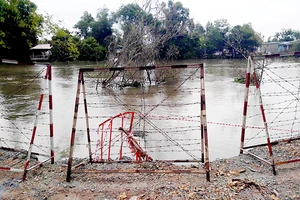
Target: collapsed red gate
point(105, 130)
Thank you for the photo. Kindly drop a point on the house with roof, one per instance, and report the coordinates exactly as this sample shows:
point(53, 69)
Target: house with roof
point(276, 47)
point(40, 52)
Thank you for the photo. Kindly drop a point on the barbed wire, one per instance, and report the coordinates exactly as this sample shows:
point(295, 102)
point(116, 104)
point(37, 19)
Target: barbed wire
point(106, 94)
point(155, 106)
point(95, 105)
point(21, 87)
point(12, 95)
point(283, 66)
point(271, 104)
point(287, 109)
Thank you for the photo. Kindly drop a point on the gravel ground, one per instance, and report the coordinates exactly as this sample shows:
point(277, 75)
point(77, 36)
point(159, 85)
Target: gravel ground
point(241, 177)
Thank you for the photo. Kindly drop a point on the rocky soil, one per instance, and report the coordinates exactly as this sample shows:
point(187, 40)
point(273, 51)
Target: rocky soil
point(241, 177)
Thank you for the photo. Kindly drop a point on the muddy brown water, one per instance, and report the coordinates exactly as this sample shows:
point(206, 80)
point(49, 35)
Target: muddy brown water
point(172, 107)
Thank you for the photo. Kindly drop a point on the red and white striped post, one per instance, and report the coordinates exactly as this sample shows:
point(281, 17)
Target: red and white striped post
point(264, 119)
point(11, 169)
point(204, 123)
point(72, 141)
point(87, 120)
point(49, 68)
point(249, 66)
point(201, 121)
point(35, 125)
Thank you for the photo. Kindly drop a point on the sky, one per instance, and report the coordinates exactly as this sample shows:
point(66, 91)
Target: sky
point(266, 16)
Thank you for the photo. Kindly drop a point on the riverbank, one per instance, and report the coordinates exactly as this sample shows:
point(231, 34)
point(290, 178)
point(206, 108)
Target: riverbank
point(240, 177)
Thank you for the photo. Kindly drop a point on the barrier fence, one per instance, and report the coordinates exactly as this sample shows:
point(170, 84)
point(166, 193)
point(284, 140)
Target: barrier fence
point(35, 149)
point(279, 116)
point(118, 83)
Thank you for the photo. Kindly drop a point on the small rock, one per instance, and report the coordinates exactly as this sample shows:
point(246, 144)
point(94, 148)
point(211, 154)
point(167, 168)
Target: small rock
point(191, 195)
point(123, 196)
point(134, 198)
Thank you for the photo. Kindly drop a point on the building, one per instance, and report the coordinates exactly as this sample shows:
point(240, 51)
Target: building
point(41, 52)
point(276, 47)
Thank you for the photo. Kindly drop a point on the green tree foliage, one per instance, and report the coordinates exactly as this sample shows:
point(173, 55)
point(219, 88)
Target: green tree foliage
point(99, 28)
point(179, 26)
point(136, 37)
point(243, 39)
point(199, 29)
point(286, 35)
point(84, 25)
point(102, 27)
point(296, 46)
point(20, 26)
point(187, 46)
point(130, 16)
point(215, 39)
point(175, 15)
point(63, 47)
point(90, 50)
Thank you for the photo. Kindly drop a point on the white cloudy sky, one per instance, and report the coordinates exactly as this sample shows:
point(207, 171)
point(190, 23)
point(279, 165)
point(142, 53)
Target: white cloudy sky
point(266, 16)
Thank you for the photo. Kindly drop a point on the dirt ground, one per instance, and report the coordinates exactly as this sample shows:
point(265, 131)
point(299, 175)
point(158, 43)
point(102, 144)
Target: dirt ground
point(241, 177)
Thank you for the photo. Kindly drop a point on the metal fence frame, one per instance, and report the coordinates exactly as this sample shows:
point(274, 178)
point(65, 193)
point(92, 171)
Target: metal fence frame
point(272, 163)
point(27, 167)
point(204, 133)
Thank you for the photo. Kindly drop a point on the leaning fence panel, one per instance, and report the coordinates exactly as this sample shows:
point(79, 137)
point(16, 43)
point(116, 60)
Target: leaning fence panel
point(271, 101)
point(15, 138)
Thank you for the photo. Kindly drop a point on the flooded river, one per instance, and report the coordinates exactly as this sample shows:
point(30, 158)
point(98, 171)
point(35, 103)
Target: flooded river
point(172, 107)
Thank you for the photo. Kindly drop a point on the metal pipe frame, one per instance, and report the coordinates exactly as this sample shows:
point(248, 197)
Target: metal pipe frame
point(48, 77)
point(260, 158)
point(176, 171)
point(269, 143)
point(245, 106)
point(132, 161)
point(204, 123)
point(204, 135)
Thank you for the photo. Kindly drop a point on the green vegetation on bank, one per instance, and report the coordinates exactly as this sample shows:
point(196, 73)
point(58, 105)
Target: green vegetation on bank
point(20, 27)
point(131, 32)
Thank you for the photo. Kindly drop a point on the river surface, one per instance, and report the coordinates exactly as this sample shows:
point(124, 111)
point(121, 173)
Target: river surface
point(171, 129)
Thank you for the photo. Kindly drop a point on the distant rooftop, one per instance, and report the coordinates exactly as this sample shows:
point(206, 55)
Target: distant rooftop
point(42, 47)
point(281, 42)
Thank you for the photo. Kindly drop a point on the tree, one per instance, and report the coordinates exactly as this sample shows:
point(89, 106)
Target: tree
point(186, 45)
point(148, 33)
point(20, 26)
point(63, 48)
point(199, 29)
point(49, 27)
point(176, 22)
point(90, 50)
point(175, 16)
point(215, 36)
point(102, 27)
point(134, 45)
point(296, 46)
point(243, 39)
point(287, 35)
point(84, 25)
point(99, 28)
